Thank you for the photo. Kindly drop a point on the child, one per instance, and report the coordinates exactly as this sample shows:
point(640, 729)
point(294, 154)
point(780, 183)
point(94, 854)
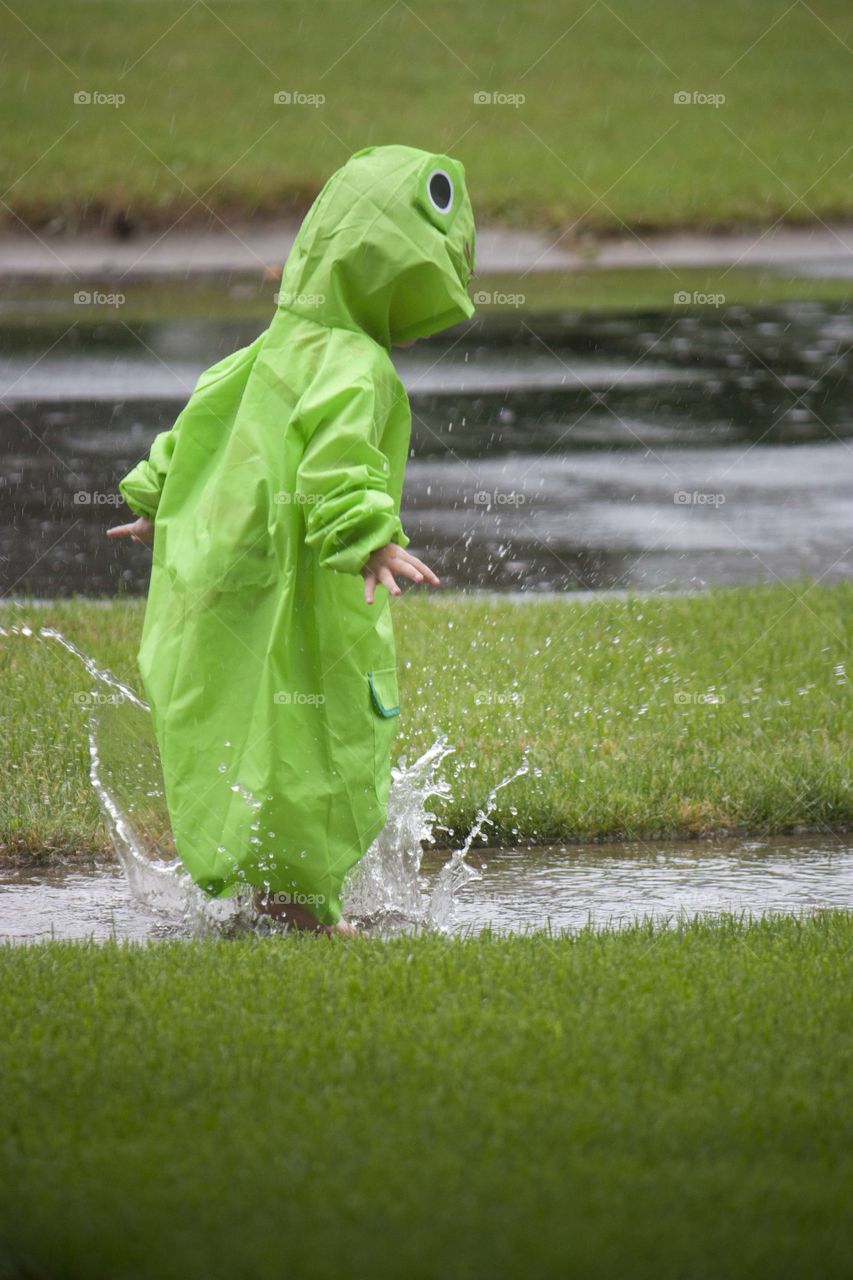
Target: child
point(270, 669)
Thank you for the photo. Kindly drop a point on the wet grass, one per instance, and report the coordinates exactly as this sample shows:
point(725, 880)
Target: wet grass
point(597, 142)
point(678, 716)
point(653, 1103)
point(708, 289)
point(28, 306)
point(722, 711)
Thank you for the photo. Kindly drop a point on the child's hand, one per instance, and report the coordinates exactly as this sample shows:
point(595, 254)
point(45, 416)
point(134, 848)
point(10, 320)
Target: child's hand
point(141, 530)
point(388, 560)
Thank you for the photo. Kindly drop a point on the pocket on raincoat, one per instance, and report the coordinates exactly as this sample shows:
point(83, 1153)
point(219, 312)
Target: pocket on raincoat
point(384, 701)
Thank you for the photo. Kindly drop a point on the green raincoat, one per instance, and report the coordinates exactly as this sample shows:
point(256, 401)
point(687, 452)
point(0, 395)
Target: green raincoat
point(272, 684)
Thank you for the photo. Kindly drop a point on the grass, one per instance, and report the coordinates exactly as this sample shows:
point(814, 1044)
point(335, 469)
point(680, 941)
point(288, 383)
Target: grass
point(655, 1103)
point(640, 717)
point(654, 289)
point(49, 307)
point(598, 141)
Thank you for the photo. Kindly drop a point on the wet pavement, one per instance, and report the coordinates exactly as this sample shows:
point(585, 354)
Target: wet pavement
point(181, 251)
point(661, 451)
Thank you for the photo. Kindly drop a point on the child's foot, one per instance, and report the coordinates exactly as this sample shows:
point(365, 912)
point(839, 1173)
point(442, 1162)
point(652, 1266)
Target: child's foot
point(295, 916)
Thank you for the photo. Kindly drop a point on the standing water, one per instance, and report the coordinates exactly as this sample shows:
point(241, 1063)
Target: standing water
point(551, 451)
point(396, 886)
point(386, 890)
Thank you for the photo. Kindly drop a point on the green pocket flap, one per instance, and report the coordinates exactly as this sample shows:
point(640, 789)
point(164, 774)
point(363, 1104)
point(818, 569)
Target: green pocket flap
point(383, 691)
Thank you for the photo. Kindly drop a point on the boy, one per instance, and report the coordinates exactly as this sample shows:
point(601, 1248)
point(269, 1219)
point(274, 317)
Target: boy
point(269, 668)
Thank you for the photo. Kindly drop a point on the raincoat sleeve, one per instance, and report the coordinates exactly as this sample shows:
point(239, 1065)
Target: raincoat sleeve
point(141, 487)
point(342, 478)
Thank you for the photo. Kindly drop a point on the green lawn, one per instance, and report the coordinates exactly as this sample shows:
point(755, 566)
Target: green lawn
point(640, 717)
point(48, 307)
point(597, 142)
point(653, 1104)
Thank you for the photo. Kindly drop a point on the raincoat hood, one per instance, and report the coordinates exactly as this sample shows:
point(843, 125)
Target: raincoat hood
point(387, 247)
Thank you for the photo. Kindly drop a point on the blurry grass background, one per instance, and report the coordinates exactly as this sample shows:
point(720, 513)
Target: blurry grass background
point(47, 307)
point(655, 1104)
point(639, 717)
point(597, 141)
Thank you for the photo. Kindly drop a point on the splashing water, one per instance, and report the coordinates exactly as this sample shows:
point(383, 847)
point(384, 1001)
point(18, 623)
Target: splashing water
point(124, 769)
point(458, 872)
point(384, 888)
point(385, 891)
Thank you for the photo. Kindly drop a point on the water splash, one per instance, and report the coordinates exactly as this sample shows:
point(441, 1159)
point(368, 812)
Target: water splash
point(125, 773)
point(458, 871)
point(102, 674)
point(385, 891)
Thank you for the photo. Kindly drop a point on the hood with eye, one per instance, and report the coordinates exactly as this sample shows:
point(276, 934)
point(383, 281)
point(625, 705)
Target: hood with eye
point(387, 247)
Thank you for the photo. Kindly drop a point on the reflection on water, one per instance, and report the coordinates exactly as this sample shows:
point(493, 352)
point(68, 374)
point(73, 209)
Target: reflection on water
point(562, 453)
point(664, 519)
point(516, 889)
point(565, 888)
point(37, 905)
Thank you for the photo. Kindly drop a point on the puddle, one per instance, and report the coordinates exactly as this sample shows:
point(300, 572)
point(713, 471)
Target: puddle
point(515, 890)
point(65, 903)
point(565, 888)
point(402, 883)
point(385, 890)
point(555, 452)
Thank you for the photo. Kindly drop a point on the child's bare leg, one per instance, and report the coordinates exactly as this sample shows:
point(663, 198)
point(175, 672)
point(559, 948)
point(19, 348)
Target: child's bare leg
point(297, 916)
